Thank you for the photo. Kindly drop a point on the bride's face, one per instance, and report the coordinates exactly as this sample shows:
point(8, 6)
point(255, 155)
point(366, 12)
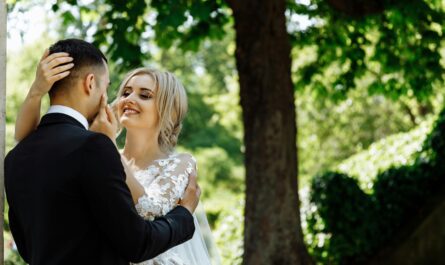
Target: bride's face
point(136, 107)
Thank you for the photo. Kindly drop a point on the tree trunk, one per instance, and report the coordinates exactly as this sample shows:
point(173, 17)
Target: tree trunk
point(272, 217)
point(2, 117)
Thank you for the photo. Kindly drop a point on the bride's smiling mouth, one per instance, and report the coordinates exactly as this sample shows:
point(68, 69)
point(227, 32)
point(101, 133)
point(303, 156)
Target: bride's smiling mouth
point(129, 111)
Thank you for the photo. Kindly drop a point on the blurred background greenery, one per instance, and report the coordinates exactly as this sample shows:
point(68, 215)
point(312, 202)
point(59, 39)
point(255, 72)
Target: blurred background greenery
point(367, 94)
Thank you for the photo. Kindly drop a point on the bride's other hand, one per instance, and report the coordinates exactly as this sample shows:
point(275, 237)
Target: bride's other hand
point(51, 69)
point(105, 121)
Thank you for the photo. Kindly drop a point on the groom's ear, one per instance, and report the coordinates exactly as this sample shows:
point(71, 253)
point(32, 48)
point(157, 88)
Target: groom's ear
point(89, 83)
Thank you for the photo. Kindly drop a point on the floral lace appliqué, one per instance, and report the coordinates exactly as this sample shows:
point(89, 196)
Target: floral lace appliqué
point(164, 183)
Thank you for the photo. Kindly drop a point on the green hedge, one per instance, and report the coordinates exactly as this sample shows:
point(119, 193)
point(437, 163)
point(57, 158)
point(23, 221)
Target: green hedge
point(355, 223)
point(396, 150)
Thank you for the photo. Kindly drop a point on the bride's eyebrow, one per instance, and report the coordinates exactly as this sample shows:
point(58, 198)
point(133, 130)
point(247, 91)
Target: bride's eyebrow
point(147, 89)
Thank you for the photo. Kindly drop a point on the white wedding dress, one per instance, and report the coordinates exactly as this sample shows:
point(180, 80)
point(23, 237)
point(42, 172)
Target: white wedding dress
point(164, 183)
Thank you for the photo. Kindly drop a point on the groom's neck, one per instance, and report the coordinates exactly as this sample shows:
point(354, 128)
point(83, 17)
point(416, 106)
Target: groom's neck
point(71, 102)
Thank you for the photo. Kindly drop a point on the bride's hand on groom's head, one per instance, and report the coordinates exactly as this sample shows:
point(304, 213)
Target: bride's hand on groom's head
point(51, 68)
point(105, 121)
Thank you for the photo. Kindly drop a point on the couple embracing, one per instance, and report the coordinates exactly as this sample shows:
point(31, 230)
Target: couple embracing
point(73, 197)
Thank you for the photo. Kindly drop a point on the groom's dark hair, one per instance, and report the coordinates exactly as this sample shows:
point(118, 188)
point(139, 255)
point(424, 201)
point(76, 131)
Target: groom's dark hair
point(85, 57)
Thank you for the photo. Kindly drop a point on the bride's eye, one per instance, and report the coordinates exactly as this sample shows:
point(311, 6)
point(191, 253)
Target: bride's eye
point(146, 96)
point(126, 94)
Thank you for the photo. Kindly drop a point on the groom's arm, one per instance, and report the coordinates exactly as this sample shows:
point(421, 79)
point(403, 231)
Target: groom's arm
point(112, 207)
point(17, 232)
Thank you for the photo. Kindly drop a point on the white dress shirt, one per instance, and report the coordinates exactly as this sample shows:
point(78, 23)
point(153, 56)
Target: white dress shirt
point(70, 112)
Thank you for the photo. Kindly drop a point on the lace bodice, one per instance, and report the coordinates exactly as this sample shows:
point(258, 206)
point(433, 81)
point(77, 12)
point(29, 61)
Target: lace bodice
point(164, 183)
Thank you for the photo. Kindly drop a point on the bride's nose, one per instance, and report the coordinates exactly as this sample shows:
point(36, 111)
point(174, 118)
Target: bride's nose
point(130, 99)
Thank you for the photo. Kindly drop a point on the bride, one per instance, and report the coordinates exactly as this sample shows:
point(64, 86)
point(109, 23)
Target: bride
point(151, 106)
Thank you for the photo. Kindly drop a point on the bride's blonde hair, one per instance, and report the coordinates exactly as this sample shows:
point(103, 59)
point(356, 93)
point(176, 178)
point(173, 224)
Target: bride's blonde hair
point(170, 100)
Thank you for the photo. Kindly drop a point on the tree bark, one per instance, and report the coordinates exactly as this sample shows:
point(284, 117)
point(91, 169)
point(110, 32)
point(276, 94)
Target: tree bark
point(273, 232)
point(2, 117)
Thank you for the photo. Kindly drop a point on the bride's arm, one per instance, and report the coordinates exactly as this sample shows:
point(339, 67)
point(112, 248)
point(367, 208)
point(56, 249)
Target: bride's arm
point(164, 193)
point(136, 189)
point(48, 72)
point(105, 122)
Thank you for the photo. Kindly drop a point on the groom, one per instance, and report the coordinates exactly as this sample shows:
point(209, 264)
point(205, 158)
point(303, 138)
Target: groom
point(65, 185)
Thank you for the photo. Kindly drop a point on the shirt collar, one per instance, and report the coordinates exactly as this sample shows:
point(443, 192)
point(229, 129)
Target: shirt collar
point(70, 112)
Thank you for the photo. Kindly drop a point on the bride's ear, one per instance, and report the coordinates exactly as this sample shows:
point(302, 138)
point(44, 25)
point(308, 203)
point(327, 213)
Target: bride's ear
point(89, 83)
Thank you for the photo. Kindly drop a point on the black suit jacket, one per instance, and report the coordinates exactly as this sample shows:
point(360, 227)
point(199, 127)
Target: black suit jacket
point(69, 204)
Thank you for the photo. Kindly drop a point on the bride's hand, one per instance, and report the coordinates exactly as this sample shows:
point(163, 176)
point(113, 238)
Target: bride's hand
point(105, 121)
point(51, 69)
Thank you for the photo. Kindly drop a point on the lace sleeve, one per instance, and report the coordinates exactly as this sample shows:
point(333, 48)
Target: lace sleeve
point(162, 195)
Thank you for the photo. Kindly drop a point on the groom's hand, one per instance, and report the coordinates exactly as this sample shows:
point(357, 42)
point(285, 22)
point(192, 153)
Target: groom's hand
point(191, 195)
point(105, 121)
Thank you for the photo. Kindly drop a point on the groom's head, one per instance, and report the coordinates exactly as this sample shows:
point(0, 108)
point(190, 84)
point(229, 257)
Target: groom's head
point(88, 79)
